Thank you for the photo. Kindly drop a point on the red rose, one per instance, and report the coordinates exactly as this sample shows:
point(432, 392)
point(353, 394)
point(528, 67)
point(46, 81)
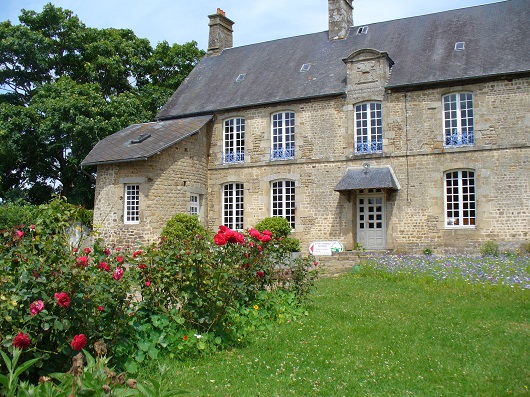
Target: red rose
point(223, 229)
point(62, 299)
point(267, 233)
point(21, 341)
point(32, 227)
point(19, 233)
point(254, 233)
point(120, 259)
point(106, 251)
point(87, 250)
point(142, 266)
point(185, 337)
point(259, 274)
point(74, 250)
point(82, 261)
point(220, 239)
point(104, 266)
point(148, 283)
point(137, 253)
point(265, 238)
point(79, 342)
point(100, 308)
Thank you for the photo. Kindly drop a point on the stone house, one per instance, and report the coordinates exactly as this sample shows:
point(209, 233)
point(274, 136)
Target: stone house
point(405, 134)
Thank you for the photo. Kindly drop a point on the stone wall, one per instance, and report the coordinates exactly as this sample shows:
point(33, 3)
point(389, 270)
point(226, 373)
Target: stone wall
point(413, 147)
point(166, 181)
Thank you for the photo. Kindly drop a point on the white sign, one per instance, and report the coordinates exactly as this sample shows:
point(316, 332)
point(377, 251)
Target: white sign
point(325, 248)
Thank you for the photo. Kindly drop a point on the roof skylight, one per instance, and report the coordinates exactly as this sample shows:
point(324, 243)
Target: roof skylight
point(460, 46)
point(305, 67)
point(362, 30)
point(141, 138)
point(241, 77)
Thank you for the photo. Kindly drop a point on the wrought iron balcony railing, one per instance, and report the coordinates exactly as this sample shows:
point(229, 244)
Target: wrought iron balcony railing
point(282, 153)
point(234, 157)
point(460, 139)
point(369, 147)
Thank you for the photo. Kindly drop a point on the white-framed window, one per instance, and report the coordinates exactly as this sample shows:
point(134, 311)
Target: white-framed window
point(283, 200)
point(234, 141)
point(195, 204)
point(460, 199)
point(132, 204)
point(458, 119)
point(282, 136)
point(368, 128)
point(233, 205)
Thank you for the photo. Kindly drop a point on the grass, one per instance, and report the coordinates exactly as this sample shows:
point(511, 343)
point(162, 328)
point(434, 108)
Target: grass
point(374, 333)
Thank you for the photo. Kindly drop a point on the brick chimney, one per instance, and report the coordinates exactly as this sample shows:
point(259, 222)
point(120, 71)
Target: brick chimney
point(220, 33)
point(340, 18)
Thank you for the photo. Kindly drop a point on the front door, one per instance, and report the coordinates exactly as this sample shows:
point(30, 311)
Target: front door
point(371, 225)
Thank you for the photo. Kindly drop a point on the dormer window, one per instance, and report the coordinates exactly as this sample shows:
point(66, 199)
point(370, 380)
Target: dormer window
point(362, 30)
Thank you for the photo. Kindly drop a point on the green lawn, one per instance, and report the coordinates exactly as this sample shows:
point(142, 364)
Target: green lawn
point(375, 334)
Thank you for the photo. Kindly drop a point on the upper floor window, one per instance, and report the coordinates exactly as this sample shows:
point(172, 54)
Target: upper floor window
point(233, 205)
point(282, 136)
point(132, 204)
point(368, 128)
point(458, 119)
point(234, 141)
point(460, 201)
point(283, 200)
point(195, 204)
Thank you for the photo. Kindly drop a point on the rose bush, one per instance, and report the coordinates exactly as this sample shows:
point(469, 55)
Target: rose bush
point(180, 296)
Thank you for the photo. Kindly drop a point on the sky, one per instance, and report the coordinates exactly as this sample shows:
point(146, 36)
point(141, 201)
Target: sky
point(181, 21)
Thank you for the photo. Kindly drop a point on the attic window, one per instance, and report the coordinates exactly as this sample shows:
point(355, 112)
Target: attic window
point(241, 77)
point(460, 46)
point(305, 67)
point(141, 138)
point(362, 30)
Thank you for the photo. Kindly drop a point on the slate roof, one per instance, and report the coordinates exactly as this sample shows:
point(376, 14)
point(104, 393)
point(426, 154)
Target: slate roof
point(118, 148)
point(497, 43)
point(368, 178)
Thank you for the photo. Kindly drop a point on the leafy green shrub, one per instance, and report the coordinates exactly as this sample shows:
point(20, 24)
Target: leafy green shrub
point(281, 229)
point(183, 227)
point(489, 248)
point(428, 251)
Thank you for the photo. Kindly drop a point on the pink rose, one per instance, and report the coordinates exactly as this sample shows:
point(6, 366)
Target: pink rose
point(19, 233)
point(267, 233)
point(118, 273)
point(36, 307)
point(265, 238)
point(254, 233)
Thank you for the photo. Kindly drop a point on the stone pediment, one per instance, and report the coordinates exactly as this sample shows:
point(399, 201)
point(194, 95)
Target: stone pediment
point(368, 54)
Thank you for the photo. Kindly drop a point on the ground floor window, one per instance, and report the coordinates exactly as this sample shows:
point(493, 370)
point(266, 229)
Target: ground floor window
point(132, 204)
point(283, 200)
point(195, 204)
point(233, 205)
point(460, 200)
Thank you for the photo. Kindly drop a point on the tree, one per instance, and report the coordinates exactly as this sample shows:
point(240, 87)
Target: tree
point(65, 86)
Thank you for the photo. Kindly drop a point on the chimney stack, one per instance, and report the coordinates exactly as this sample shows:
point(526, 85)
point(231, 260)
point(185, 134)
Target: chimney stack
point(220, 33)
point(340, 18)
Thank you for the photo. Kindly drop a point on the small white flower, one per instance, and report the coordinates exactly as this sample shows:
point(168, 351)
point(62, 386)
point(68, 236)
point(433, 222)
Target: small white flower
point(198, 336)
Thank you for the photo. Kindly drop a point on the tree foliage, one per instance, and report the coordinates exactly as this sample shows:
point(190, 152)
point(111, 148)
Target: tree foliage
point(63, 87)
